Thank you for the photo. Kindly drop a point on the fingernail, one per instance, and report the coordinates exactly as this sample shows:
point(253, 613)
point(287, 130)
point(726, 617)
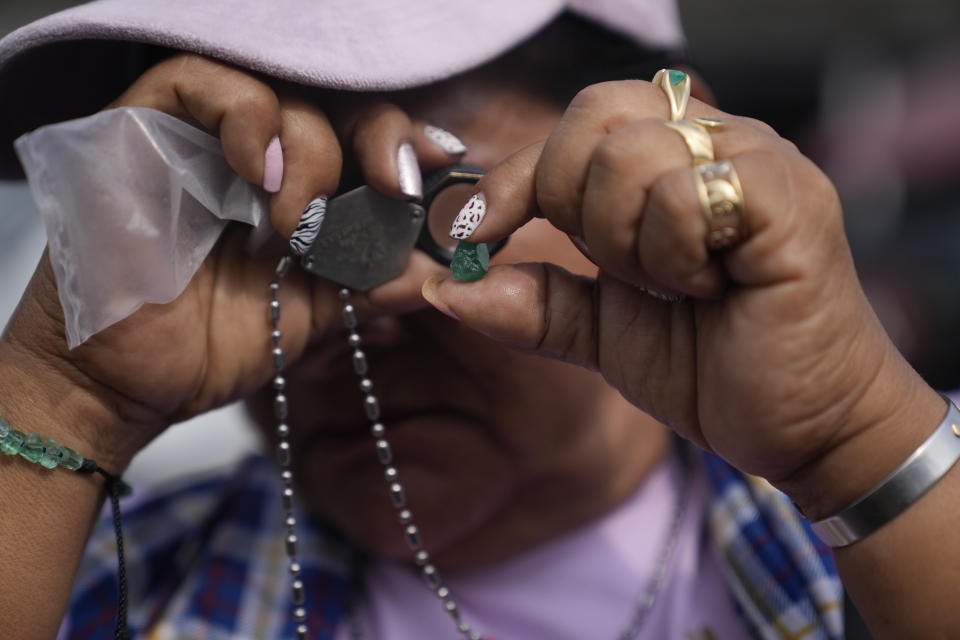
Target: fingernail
point(445, 140)
point(469, 217)
point(309, 226)
point(411, 183)
point(273, 166)
point(429, 290)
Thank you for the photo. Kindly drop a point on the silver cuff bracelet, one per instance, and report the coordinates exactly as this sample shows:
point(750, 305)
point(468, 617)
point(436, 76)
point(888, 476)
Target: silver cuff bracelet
point(900, 489)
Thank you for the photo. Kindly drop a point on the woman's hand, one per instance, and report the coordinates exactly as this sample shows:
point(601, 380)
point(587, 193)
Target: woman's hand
point(211, 345)
point(773, 358)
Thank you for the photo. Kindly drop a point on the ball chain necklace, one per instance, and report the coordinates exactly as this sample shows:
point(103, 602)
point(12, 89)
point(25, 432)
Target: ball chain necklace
point(395, 489)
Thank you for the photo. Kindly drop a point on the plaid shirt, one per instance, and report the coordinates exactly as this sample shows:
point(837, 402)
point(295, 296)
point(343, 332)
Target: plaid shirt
point(207, 561)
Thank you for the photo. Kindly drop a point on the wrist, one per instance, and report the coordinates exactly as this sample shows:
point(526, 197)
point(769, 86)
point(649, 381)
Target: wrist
point(895, 415)
point(47, 398)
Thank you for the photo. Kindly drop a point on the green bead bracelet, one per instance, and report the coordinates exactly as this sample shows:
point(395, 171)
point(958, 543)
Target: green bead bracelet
point(37, 449)
point(49, 454)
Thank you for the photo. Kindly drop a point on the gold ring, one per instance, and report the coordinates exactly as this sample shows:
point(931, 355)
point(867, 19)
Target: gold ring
point(676, 84)
point(721, 198)
point(696, 133)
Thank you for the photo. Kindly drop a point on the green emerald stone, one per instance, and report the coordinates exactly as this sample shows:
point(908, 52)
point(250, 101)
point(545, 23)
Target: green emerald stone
point(51, 454)
point(4, 428)
point(471, 261)
point(32, 448)
point(676, 77)
point(11, 443)
point(70, 458)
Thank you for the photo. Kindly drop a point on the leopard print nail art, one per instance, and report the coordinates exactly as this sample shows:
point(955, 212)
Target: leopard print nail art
point(469, 217)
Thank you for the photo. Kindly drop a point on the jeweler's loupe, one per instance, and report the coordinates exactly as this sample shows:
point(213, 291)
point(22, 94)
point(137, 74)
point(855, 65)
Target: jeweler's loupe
point(366, 238)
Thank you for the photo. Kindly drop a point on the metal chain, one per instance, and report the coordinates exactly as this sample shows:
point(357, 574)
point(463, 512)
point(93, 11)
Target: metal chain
point(411, 531)
point(291, 541)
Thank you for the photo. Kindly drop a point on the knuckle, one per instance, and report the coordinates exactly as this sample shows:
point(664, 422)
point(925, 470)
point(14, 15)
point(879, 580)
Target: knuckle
point(819, 187)
point(373, 120)
point(624, 149)
point(758, 124)
point(382, 114)
point(612, 153)
point(256, 100)
point(665, 194)
point(180, 63)
point(591, 96)
point(780, 167)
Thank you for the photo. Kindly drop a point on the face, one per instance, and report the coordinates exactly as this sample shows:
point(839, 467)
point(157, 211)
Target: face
point(496, 450)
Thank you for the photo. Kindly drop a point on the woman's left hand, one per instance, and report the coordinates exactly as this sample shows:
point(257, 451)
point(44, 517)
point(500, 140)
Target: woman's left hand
point(773, 357)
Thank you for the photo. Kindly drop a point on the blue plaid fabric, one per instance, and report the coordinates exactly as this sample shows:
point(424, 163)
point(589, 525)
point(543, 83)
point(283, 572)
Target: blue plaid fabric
point(207, 561)
point(782, 576)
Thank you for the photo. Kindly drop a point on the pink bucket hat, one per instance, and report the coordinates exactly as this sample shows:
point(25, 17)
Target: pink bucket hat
point(73, 62)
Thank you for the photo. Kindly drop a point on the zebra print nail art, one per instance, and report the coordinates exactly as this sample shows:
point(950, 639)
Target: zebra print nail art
point(450, 143)
point(306, 232)
point(469, 217)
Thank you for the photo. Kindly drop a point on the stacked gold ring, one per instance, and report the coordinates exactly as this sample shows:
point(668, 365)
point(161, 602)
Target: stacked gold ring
point(721, 199)
point(718, 185)
point(696, 134)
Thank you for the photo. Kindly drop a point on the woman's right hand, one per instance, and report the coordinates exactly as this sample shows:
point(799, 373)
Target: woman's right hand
point(211, 345)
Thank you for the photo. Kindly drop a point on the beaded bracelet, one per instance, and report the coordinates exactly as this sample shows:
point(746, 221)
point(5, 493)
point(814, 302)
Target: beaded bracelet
point(47, 453)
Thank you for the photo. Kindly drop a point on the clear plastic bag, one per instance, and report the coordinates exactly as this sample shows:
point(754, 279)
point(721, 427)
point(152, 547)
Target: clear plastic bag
point(133, 201)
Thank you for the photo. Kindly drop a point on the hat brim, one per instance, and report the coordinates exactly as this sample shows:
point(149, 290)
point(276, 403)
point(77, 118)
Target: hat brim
point(76, 61)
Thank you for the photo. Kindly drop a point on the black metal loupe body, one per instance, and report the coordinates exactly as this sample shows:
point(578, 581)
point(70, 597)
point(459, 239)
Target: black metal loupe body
point(366, 238)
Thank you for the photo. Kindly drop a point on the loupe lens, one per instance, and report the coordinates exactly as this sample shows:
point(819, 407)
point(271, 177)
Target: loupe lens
point(445, 193)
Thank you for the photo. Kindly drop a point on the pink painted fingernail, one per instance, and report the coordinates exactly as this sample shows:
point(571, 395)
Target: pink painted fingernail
point(273, 166)
point(450, 143)
point(469, 217)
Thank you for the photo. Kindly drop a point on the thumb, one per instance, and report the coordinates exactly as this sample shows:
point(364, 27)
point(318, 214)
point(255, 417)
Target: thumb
point(536, 308)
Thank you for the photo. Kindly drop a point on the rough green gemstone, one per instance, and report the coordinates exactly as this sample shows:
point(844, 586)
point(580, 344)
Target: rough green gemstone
point(70, 458)
point(471, 261)
point(51, 454)
point(32, 447)
point(4, 428)
point(676, 77)
point(11, 443)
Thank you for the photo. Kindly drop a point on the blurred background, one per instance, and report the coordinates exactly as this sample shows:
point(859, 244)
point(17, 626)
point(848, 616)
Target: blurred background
point(870, 91)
